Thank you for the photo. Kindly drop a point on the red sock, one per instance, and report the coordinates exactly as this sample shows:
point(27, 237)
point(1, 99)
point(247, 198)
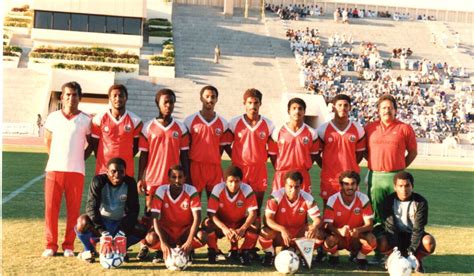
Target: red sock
point(250, 240)
point(265, 243)
point(234, 246)
point(156, 247)
point(331, 250)
point(212, 240)
point(366, 249)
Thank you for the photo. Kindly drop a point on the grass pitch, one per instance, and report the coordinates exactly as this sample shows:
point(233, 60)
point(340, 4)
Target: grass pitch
point(449, 193)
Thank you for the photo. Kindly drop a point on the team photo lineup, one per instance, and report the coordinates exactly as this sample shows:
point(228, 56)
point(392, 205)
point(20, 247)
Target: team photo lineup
point(180, 161)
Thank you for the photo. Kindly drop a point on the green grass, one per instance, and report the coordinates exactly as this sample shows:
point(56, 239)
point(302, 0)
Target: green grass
point(451, 221)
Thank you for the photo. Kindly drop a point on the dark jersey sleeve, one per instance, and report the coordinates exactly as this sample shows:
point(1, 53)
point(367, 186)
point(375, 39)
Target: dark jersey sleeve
point(421, 219)
point(94, 200)
point(132, 207)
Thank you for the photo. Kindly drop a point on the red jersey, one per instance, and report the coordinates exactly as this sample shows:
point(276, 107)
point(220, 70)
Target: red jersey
point(206, 138)
point(294, 149)
point(292, 214)
point(339, 149)
point(164, 145)
point(115, 139)
point(249, 145)
point(387, 145)
point(340, 214)
point(176, 213)
point(232, 210)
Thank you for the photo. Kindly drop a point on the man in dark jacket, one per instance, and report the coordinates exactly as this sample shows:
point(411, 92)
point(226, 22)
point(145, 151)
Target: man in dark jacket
point(111, 210)
point(405, 215)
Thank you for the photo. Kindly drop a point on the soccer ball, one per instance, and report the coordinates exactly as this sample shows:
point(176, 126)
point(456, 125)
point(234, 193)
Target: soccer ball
point(287, 262)
point(177, 260)
point(397, 265)
point(111, 261)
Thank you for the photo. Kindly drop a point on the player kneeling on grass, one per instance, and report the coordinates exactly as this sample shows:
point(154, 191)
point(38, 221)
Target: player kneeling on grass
point(405, 215)
point(112, 210)
point(286, 217)
point(176, 213)
point(350, 220)
point(232, 213)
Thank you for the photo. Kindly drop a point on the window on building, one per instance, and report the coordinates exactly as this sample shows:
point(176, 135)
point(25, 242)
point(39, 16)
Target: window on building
point(97, 23)
point(43, 20)
point(61, 20)
point(79, 22)
point(132, 26)
point(114, 25)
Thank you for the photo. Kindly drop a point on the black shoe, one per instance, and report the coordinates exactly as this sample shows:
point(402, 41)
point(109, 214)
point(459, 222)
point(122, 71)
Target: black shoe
point(362, 264)
point(420, 269)
point(126, 258)
point(333, 260)
point(143, 253)
point(158, 257)
point(352, 257)
point(233, 255)
point(303, 263)
point(268, 259)
point(244, 258)
point(191, 257)
point(212, 256)
point(319, 258)
point(254, 257)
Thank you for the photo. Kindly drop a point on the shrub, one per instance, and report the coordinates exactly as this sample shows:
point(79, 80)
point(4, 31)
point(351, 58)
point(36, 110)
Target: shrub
point(160, 33)
point(84, 53)
point(64, 56)
point(23, 8)
point(159, 22)
point(162, 61)
point(168, 42)
point(168, 53)
point(12, 49)
point(16, 24)
point(93, 68)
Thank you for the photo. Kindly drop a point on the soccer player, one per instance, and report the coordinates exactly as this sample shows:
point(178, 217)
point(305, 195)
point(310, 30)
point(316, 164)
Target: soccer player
point(164, 143)
point(391, 147)
point(342, 146)
point(250, 137)
point(405, 215)
point(176, 212)
point(286, 217)
point(207, 134)
point(232, 211)
point(293, 146)
point(349, 219)
point(115, 132)
point(112, 206)
point(66, 135)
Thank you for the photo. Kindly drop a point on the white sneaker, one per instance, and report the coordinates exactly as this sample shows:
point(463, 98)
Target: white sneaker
point(68, 253)
point(47, 253)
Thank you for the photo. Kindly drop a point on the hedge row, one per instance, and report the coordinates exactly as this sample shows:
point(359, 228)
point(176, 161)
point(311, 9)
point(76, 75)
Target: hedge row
point(162, 61)
point(160, 33)
point(158, 22)
point(83, 57)
point(93, 51)
point(93, 68)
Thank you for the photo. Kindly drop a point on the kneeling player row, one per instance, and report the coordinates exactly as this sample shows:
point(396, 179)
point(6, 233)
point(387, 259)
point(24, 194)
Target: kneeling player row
point(232, 213)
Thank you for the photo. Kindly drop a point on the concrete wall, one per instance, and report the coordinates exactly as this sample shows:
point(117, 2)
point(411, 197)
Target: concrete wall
point(129, 8)
point(159, 9)
point(91, 82)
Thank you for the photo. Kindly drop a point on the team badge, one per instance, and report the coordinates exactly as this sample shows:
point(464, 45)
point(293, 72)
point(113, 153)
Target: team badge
point(218, 131)
point(301, 210)
point(330, 139)
point(262, 135)
point(106, 129)
point(305, 140)
point(338, 214)
point(352, 138)
point(167, 205)
point(283, 210)
point(240, 203)
point(175, 134)
point(357, 211)
point(185, 205)
point(123, 197)
point(128, 128)
point(196, 129)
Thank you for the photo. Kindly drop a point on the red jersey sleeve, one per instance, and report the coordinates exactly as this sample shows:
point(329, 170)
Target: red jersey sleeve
point(184, 143)
point(272, 206)
point(156, 203)
point(251, 202)
point(226, 138)
point(367, 211)
point(315, 147)
point(272, 147)
point(195, 201)
point(138, 130)
point(213, 203)
point(410, 138)
point(361, 144)
point(95, 127)
point(328, 214)
point(143, 143)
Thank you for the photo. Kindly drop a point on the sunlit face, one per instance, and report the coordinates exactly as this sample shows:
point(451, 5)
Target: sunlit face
point(70, 98)
point(166, 105)
point(177, 178)
point(115, 173)
point(403, 188)
point(117, 99)
point(387, 111)
point(252, 106)
point(348, 186)
point(233, 183)
point(341, 109)
point(292, 189)
point(296, 112)
point(208, 99)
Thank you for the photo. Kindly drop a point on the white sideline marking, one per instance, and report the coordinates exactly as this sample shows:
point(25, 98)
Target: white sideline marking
point(22, 188)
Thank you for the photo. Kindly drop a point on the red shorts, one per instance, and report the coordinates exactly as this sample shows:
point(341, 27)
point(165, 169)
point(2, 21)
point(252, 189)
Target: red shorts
point(175, 235)
point(205, 175)
point(329, 187)
point(279, 180)
point(255, 176)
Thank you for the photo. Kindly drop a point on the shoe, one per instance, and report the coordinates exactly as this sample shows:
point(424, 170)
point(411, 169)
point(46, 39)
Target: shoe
point(268, 259)
point(68, 253)
point(233, 255)
point(303, 263)
point(319, 258)
point(143, 253)
point(244, 257)
point(254, 257)
point(158, 257)
point(126, 258)
point(362, 264)
point(352, 257)
point(420, 269)
point(377, 260)
point(212, 256)
point(333, 260)
point(220, 256)
point(48, 253)
point(191, 257)
point(87, 256)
